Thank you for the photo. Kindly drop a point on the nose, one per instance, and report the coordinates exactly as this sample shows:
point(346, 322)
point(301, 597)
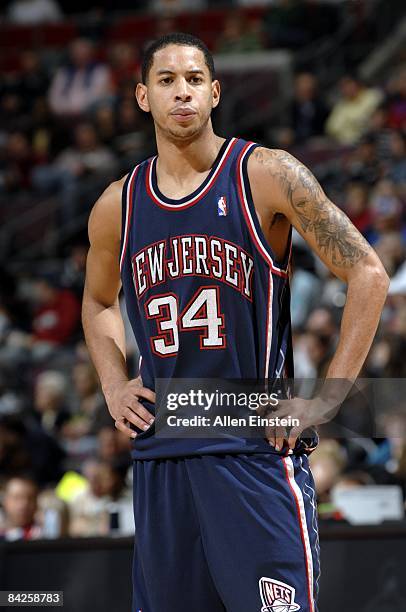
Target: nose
point(183, 92)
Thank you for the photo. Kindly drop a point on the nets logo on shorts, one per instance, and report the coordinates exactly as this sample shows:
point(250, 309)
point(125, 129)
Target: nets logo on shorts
point(277, 596)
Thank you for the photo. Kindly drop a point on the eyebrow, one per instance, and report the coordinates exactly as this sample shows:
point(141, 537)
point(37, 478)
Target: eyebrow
point(168, 71)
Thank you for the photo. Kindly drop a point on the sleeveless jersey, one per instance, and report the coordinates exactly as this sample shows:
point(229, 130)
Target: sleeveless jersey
point(204, 294)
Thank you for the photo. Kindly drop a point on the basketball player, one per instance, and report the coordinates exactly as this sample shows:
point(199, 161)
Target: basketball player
point(200, 237)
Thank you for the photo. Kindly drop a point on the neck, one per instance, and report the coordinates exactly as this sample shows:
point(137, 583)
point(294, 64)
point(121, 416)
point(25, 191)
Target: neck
point(180, 159)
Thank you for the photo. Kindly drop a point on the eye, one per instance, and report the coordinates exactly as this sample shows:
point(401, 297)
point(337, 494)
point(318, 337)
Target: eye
point(196, 80)
point(166, 80)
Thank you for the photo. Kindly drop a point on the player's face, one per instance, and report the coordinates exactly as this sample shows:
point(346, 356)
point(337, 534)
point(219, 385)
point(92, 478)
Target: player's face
point(179, 93)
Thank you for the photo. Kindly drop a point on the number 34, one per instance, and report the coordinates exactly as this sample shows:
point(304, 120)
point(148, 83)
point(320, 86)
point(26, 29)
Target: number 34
point(202, 312)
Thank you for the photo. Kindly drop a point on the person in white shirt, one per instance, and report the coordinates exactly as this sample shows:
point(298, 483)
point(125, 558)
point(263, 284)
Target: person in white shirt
point(33, 12)
point(81, 84)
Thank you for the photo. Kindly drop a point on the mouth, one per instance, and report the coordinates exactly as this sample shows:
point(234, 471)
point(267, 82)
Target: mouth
point(183, 114)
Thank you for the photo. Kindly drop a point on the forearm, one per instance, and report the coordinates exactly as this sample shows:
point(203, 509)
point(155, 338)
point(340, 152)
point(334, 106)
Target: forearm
point(365, 300)
point(105, 339)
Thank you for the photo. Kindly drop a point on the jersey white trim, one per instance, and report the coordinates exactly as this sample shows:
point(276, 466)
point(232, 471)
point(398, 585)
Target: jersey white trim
point(260, 245)
point(268, 343)
point(201, 191)
point(127, 215)
point(297, 492)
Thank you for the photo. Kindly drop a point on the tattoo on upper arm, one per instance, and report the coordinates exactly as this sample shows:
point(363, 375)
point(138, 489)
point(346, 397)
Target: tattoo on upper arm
point(336, 237)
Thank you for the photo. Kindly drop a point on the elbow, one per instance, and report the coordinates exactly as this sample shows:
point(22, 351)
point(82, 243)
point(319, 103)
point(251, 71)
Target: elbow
point(372, 275)
point(378, 278)
point(382, 278)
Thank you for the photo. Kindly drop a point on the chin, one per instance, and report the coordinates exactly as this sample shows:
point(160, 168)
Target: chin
point(185, 133)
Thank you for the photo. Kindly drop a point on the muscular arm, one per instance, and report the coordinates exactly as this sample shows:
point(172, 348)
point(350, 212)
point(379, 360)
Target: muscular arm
point(297, 195)
point(102, 322)
point(101, 317)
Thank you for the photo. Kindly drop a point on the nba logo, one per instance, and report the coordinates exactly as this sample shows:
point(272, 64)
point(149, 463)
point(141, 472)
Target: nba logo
point(222, 206)
point(277, 596)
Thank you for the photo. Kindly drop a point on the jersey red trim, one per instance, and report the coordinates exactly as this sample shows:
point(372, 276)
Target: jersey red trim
point(129, 208)
point(287, 461)
point(248, 218)
point(201, 193)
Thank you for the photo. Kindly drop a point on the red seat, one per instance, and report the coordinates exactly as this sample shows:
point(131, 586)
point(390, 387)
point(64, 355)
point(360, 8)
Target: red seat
point(57, 34)
point(212, 20)
point(17, 36)
point(134, 29)
point(10, 61)
point(254, 12)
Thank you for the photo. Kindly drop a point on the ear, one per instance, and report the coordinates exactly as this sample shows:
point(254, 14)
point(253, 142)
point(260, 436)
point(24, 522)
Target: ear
point(215, 92)
point(141, 93)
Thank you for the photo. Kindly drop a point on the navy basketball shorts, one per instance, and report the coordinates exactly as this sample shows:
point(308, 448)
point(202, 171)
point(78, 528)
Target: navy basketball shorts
point(234, 533)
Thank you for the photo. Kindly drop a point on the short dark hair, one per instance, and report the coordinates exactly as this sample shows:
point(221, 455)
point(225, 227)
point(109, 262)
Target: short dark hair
point(175, 38)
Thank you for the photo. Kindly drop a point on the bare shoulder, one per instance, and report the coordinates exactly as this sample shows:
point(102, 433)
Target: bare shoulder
point(105, 218)
point(282, 172)
point(297, 194)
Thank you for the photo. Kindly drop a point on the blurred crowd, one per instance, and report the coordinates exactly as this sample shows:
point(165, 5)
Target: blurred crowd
point(68, 126)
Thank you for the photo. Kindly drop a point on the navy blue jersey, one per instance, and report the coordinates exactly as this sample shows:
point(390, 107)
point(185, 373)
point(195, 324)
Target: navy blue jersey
point(204, 293)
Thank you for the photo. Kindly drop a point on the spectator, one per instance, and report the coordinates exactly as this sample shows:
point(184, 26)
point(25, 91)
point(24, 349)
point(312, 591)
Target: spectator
point(131, 136)
point(15, 173)
point(25, 447)
point(176, 6)
point(50, 401)
point(165, 24)
point(11, 401)
point(32, 81)
point(397, 100)
point(327, 463)
point(240, 35)
point(113, 445)
point(321, 321)
point(380, 132)
point(348, 120)
point(305, 284)
point(92, 510)
point(56, 317)
point(14, 457)
point(396, 166)
point(88, 409)
point(87, 162)
point(53, 515)
point(318, 351)
point(397, 285)
point(256, 2)
point(80, 85)
point(20, 506)
point(74, 266)
point(124, 63)
point(309, 111)
point(363, 164)
point(32, 12)
point(351, 480)
point(391, 251)
point(87, 156)
point(104, 123)
point(386, 210)
point(356, 205)
point(286, 24)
